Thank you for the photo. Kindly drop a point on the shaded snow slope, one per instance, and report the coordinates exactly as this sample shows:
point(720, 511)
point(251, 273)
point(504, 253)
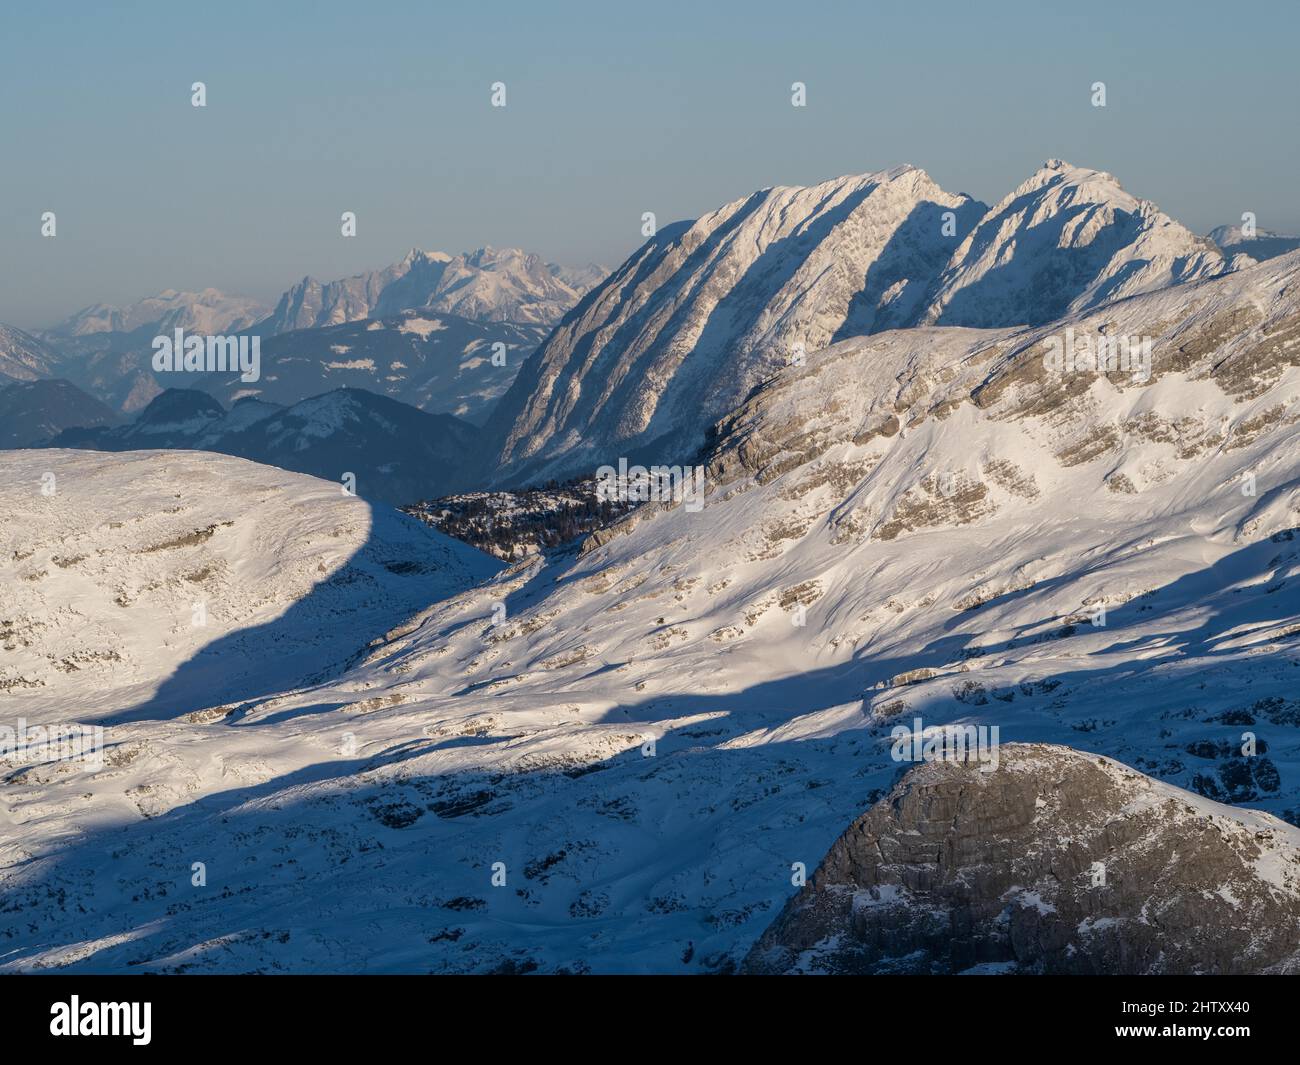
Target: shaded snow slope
point(33, 412)
point(156, 583)
point(393, 452)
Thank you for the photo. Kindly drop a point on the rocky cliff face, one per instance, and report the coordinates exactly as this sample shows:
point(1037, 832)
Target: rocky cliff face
point(1054, 861)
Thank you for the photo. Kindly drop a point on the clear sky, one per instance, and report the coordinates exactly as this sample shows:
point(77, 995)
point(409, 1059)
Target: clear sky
point(613, 109)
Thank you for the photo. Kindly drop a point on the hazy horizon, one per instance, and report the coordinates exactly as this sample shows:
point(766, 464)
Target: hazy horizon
point(608, 115)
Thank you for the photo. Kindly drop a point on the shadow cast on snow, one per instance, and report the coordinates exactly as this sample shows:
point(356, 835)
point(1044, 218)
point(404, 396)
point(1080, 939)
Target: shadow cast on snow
point(259, 892)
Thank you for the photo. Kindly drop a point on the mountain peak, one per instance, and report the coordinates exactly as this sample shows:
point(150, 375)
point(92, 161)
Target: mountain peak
point(1066, 239)
point(487, 285)
point(702, 315)
point(1096, 185)
point(420, 255)
point(207, 310)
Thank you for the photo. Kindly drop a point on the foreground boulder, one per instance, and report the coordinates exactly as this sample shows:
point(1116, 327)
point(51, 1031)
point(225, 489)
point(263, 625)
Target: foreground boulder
point(1055, 861)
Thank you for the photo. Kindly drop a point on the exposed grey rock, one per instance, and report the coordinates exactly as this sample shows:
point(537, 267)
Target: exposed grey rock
point(967, 865)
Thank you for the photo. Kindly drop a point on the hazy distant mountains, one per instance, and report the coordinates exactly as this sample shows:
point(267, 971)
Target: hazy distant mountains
point(491, 295)
point(359, 376)
point(489, 285)
point(1263, 245)
point(208, 311)
point(440, 362)
point(35, 411)
point(395, 452)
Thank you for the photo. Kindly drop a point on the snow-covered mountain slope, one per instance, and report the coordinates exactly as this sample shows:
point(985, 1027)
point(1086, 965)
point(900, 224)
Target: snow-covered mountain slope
point(33, 412)
point(23, 357)
point(395, 453)
point(699, 316)
point(491, 285)
point(439, 362)
point(917, 524)
point(703, 312)
point(152, 584)
point(209, 311)
point(1092, 868)
point(1066, 240)
point(1265, 244)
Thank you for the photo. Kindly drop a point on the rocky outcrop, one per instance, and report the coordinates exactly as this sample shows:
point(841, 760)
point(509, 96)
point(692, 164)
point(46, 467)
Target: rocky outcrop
point(1052, 861)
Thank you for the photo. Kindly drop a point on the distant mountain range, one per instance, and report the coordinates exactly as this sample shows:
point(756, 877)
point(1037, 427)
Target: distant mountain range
point(32, 412)
point(396, 453)
point(485, 296)
point(208, 311)
point(437, 361)
point(1263, 245)
point(489, 285)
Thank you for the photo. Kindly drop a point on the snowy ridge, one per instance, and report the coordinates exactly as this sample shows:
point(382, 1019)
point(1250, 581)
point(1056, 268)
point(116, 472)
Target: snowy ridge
point(1066, 240)
point(703, 313)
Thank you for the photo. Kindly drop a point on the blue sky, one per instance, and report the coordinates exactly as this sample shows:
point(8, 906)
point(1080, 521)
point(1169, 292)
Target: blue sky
point(612, 110)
